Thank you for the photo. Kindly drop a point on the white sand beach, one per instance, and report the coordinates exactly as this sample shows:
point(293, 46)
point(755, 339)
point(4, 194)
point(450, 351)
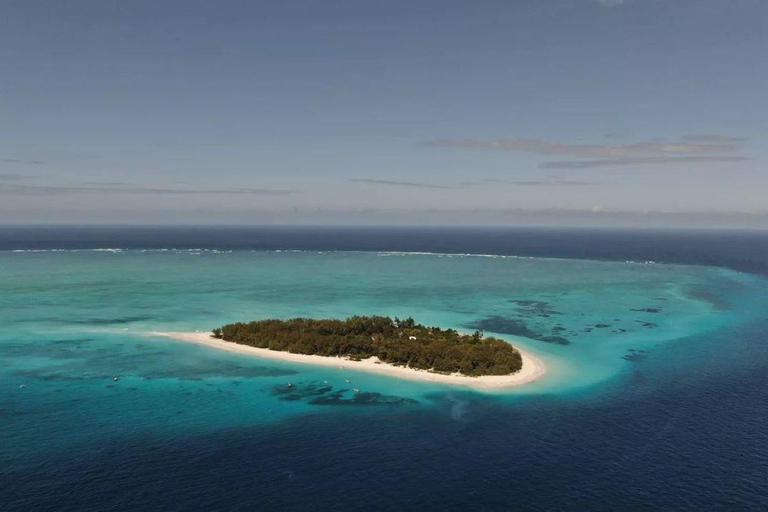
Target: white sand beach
point(533, 367)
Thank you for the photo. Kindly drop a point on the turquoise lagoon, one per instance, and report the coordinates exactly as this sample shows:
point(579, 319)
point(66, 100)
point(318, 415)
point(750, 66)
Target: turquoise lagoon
point(74, 320)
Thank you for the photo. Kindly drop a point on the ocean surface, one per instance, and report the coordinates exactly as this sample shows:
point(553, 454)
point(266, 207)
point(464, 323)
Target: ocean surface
point(656, 396)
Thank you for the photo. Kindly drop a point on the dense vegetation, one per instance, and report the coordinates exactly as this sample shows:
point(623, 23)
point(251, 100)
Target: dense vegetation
point(398, 342)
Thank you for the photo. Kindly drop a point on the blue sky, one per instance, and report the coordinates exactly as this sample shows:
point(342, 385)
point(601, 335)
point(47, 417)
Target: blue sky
point(641, 112)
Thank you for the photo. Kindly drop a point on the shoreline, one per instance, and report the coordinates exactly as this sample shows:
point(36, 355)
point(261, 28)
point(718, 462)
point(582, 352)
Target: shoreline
point(533, 367)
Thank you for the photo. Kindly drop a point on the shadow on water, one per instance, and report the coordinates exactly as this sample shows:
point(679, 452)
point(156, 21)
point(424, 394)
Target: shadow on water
point(323, 394)
point(514, 327)
point(108, 321)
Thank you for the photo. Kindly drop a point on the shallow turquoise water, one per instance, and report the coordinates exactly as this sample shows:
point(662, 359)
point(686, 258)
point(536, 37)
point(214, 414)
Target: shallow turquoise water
point(653, 399)
point(74, 320)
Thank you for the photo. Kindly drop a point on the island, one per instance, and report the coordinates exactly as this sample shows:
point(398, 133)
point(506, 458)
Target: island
point(397, 347)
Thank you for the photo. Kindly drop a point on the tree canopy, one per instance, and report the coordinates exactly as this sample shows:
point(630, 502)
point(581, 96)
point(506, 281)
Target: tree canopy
point(393, 341)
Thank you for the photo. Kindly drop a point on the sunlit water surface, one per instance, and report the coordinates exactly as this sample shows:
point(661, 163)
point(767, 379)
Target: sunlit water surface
point(93, 404)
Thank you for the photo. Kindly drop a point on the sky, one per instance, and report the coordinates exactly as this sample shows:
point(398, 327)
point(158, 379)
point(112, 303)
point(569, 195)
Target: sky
point(515, 112)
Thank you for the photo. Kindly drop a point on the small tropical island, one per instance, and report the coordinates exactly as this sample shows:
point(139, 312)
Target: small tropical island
point(397, 347)
point(393, 341)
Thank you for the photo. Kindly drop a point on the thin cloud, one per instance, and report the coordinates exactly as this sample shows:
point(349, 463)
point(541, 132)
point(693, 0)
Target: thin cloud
point(106, 183)
point(695, 148)
point(11, 177)
point(400, 183)
point(557, 148)
point(713, 139)
point(612, 3)
point(54, 190)
point(551, 183)
point(611, 162)
point(25, 162)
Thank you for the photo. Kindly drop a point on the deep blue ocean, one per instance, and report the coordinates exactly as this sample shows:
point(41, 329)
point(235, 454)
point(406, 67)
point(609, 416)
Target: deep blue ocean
point(656, 395)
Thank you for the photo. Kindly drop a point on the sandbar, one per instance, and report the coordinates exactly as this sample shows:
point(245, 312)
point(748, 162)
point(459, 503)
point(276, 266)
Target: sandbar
point(533, 367)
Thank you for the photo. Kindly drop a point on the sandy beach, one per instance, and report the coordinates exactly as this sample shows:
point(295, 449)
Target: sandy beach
point(533, 367)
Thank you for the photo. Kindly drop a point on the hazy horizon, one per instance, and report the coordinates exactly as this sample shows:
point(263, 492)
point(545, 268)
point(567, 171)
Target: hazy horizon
point(584, 113)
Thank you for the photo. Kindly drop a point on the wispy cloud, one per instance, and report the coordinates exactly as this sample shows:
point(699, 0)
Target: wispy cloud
point(697, 148)
point(556, 148)
point(613, 3)
point(611, 162)
point(4, 176)
point(400, 183)
point(18, 161)
point(126, 189)
point(704, 138)
point(106, 183)
point(551, 183)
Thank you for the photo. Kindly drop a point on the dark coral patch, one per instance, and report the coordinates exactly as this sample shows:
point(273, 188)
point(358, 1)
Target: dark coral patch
point(635, 356)
point(317, 394)
point(534, 308)
point(514, 327)
point(362, 398)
